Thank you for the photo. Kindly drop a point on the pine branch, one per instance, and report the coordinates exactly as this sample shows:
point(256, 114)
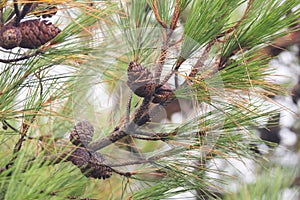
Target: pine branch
point(22, 57)
point(112, 138)
point(245, 15)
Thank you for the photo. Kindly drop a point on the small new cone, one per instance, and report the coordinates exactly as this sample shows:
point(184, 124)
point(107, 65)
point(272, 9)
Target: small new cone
point(36, 33)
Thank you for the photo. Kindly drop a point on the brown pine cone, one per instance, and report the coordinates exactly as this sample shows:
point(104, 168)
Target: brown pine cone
point(80, 157)
point(82, 134)
point(163, 94)
point(140, 80)
point(91, 164)
point(97, 167)
point(10, 36)
point(36, 33)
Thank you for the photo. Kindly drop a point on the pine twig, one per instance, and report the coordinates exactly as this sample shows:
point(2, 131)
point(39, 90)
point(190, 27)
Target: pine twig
point(128, 108)
point(206, 51)
point(18, 145)
point(11, 127)
point(140, 112)
point(161, 60)
point(26, 8)
point(175, 16)
point(149, 138)
point(112, 138)
point(156, 14)
point(154, 136)
point(21, 58)
point(200, 62)
point(118, 133)
point(17, 12)
point(165, 47)
point(245, 15)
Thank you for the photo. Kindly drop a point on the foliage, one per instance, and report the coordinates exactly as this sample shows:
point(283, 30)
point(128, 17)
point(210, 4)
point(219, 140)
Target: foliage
point(211, 62)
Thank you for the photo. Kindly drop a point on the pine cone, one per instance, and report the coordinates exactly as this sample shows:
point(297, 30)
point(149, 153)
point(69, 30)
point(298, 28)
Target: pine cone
point(80, 157)
point(10, 36)
point(140, 80)
point(82, 134)
point(163, 94)
point(97, 167)
point(36, 33)
point(91, 164)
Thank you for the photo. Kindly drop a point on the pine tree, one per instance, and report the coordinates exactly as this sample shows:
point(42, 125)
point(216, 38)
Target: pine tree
point(134, 99)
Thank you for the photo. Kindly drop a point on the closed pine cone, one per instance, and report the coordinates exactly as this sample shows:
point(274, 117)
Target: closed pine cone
point(91, 164)
point(36, 33)
point(140, 80)
point(82, 134)
point(163, 94)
